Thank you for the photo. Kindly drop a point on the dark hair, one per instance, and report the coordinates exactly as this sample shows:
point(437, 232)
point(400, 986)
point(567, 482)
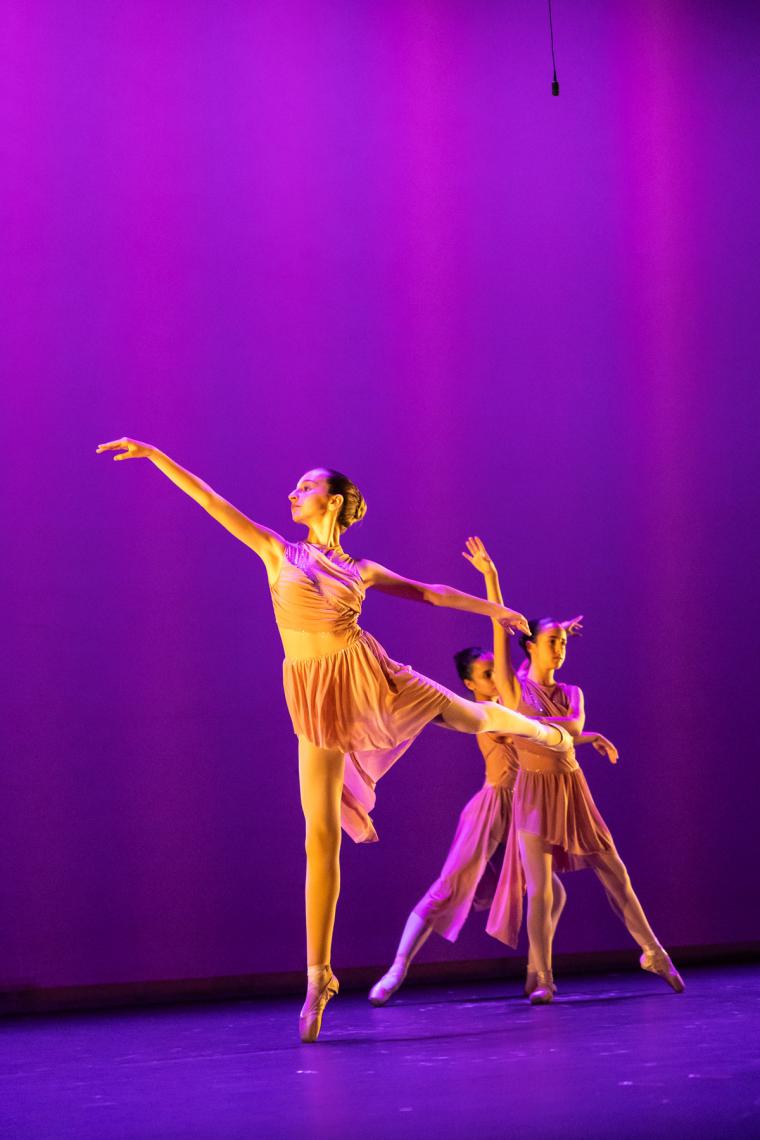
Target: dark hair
point(464, 660)
point(354, 507)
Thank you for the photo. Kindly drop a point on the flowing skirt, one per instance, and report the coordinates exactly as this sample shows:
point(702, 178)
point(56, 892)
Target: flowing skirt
point(371, 708)
point(467, 878)
point(557, 806)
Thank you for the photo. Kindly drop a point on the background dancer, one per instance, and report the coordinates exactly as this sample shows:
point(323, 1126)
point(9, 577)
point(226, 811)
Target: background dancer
point(354, 710)
point(467, 878)
point(556, 825)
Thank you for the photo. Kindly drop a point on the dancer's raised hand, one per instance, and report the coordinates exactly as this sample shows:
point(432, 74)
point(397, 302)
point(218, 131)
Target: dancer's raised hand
point(129, 448)
point(477, 555)
point(605, 747)
point(573, 627)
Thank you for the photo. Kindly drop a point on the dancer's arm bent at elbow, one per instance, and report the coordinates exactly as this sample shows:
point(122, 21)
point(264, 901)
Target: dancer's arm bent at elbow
point(387, 582)
point(265, 542)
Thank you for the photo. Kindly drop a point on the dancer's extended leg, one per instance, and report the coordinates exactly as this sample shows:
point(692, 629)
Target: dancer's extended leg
point(321, 779)
point(488, 716)
point(536, 858)
point(415, 935)
point(615, 879)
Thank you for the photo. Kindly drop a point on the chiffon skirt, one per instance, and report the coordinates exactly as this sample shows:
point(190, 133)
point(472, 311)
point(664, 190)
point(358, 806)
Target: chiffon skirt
point(557, 806)
point(371, 708)
point(467, 879)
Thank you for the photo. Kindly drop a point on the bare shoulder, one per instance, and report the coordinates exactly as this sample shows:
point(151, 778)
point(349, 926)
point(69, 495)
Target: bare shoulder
point(371, 572)
point(574, 695)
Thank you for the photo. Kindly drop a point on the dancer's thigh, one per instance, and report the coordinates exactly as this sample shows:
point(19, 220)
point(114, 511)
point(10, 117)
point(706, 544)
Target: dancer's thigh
point(536, 855)
point(320, 773)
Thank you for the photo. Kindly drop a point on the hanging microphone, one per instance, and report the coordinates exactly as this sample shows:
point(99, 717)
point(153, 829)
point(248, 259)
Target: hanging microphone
point(555, 81)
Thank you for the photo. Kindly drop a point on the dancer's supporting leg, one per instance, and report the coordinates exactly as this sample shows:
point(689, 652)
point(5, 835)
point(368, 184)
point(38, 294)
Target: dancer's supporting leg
point(536, 857)
point(415, 935)
point(614, 877)
point(559, 898)
point(321, 779)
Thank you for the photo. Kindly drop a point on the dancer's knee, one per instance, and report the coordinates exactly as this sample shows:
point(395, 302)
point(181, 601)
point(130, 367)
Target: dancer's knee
point(542, 893)
point(322, 839)
point(466, 716)
point(559, 894)
point(612, 868)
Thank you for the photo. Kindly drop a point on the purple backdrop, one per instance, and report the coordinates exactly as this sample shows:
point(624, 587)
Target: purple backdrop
point(277, 234)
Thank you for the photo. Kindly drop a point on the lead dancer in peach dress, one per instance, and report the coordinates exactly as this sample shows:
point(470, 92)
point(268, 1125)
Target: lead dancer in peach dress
point(354, 710)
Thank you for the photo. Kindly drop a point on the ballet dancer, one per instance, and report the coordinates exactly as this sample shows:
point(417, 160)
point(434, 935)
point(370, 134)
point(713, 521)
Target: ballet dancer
point(555, 823)
point(354, 710)
point(466, 877)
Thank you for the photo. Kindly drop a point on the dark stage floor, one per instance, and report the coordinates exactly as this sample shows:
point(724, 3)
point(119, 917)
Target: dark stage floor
point(616, 1056)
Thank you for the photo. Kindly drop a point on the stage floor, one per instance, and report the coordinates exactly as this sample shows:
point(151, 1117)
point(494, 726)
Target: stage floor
point(615, 1056)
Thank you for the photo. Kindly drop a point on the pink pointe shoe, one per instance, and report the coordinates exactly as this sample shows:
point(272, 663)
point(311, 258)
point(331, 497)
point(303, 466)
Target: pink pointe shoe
point(388, 984)
point(531, 982)
point(317, 996)
point(544, 989)
point(657, 961)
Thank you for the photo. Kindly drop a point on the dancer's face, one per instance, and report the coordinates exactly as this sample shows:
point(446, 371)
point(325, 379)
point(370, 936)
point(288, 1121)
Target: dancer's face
point(549, 648)
point(480, 682)
point(311, 500)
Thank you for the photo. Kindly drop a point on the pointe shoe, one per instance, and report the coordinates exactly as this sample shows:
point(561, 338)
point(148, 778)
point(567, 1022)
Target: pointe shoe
point(388, 984)
point(317, 996)
point(544, 991)
point(657, 961)
point(531, 983)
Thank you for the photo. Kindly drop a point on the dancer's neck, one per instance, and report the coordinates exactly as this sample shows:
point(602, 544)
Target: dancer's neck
point(541, 676)
point(326, 538)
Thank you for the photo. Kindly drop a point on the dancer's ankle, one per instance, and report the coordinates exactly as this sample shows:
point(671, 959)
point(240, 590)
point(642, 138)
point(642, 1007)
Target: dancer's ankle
point(316, 973)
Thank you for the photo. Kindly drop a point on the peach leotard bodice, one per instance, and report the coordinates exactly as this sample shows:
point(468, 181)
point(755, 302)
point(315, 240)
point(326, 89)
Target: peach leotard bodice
point(317, 599)
point(557, 700)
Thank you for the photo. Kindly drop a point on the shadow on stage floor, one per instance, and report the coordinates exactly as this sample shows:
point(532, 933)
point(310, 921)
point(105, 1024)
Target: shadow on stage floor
point(615, 1056)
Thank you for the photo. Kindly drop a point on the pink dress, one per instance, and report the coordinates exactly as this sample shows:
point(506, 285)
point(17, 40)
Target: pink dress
point(467, 878)
point(552, 800)
point(357, 699)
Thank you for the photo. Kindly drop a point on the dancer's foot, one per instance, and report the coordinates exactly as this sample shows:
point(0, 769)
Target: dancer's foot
point(544, 988)
point(389, 983)
point(657, 961)
point(322, 986)
point(531, 983)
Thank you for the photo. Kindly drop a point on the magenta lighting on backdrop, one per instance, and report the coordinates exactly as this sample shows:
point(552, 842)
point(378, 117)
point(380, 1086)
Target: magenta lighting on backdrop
point(268, 236)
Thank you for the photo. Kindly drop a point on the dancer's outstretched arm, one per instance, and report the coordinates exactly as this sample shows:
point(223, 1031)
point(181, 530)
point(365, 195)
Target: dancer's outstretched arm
point(507, 684)
point(265, 542)
point(387, 582)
